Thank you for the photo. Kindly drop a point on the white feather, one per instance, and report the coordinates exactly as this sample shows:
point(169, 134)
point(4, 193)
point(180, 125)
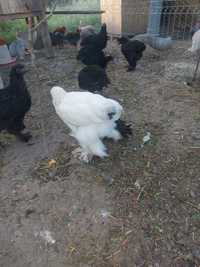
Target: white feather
point(86, 114)
point(195, 42)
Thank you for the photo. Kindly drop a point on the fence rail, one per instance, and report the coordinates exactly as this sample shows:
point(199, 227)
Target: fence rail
point(77, 12)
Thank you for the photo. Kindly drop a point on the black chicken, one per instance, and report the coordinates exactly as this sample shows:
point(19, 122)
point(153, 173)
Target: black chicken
point(72, 38)
point(57, 36)
point(15, 102)
point(93, 78)
point(132, 50)
point(89, 55)
point(97, 40)
point(57, 39)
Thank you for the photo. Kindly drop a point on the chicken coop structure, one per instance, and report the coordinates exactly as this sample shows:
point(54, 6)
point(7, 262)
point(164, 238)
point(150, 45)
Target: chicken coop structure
point(164, 17)
point(16, 9)
point(29, 9)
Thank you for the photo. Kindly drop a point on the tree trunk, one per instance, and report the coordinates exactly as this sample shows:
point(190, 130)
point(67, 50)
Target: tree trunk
point(44, 33)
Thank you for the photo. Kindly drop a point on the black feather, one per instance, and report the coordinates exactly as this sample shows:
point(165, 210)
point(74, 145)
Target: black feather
point(93, 78)
point(89, 55)
point(15, 102)
point(57, 39)
point(123, 128)
point(72, 38)
point(97, 40)
point(132, 50)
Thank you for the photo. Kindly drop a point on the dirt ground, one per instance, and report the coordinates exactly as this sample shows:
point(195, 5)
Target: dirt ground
point(140, 207)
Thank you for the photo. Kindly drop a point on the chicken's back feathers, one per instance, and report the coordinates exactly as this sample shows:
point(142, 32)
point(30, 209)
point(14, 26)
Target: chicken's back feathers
point(132, 50)
point(133, 46)
point(98, 40)
point(93, 78)
point(86, 31)
point(81, 109)
point(89, 55)
point(72, 38)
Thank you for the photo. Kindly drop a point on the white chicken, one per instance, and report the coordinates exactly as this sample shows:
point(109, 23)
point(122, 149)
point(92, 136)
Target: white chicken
point(195, 42)
point(90, 117)
point(195, 48)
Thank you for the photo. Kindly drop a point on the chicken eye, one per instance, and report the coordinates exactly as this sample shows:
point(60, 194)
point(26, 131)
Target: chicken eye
point(111, 115)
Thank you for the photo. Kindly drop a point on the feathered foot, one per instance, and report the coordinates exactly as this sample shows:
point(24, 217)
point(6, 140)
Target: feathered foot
point(124, 129)
point(130, 68)
point(24, 137)
point(82, 155)
point(76, 152)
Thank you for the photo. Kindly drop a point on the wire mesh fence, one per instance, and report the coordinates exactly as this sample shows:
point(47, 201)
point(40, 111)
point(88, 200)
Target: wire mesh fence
point(174, 18)
point(178, 18)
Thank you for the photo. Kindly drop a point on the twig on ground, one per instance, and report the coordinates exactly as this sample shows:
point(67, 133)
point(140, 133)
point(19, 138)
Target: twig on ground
point(189, 203)
point(140, 194)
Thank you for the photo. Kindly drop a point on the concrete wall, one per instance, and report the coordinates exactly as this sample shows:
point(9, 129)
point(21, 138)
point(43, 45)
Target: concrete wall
point(113, 15)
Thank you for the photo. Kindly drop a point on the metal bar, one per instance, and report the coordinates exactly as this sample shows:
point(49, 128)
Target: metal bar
point(154, 19)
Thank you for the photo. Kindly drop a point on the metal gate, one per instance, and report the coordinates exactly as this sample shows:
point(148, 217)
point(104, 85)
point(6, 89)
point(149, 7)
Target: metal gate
point(178, 18)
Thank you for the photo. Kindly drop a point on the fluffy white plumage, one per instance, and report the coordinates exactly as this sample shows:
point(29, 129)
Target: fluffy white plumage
point(195, 42)
point(91, 117)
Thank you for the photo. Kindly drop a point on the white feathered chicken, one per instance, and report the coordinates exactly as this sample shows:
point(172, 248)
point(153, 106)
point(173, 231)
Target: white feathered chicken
point(195, 42)
point(90, 117)
point(195, 49)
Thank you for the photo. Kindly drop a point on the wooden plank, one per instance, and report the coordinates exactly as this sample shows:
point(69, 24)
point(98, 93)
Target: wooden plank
point(19, 6)
point(77, 12)
point(18, 16)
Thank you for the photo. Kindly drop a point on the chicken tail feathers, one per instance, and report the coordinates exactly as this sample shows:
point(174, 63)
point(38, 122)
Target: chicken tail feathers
point(124, 129)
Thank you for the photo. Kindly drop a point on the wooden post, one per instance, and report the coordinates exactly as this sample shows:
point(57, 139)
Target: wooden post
point(30, 39)
point(44, 33)
point(196, 68)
